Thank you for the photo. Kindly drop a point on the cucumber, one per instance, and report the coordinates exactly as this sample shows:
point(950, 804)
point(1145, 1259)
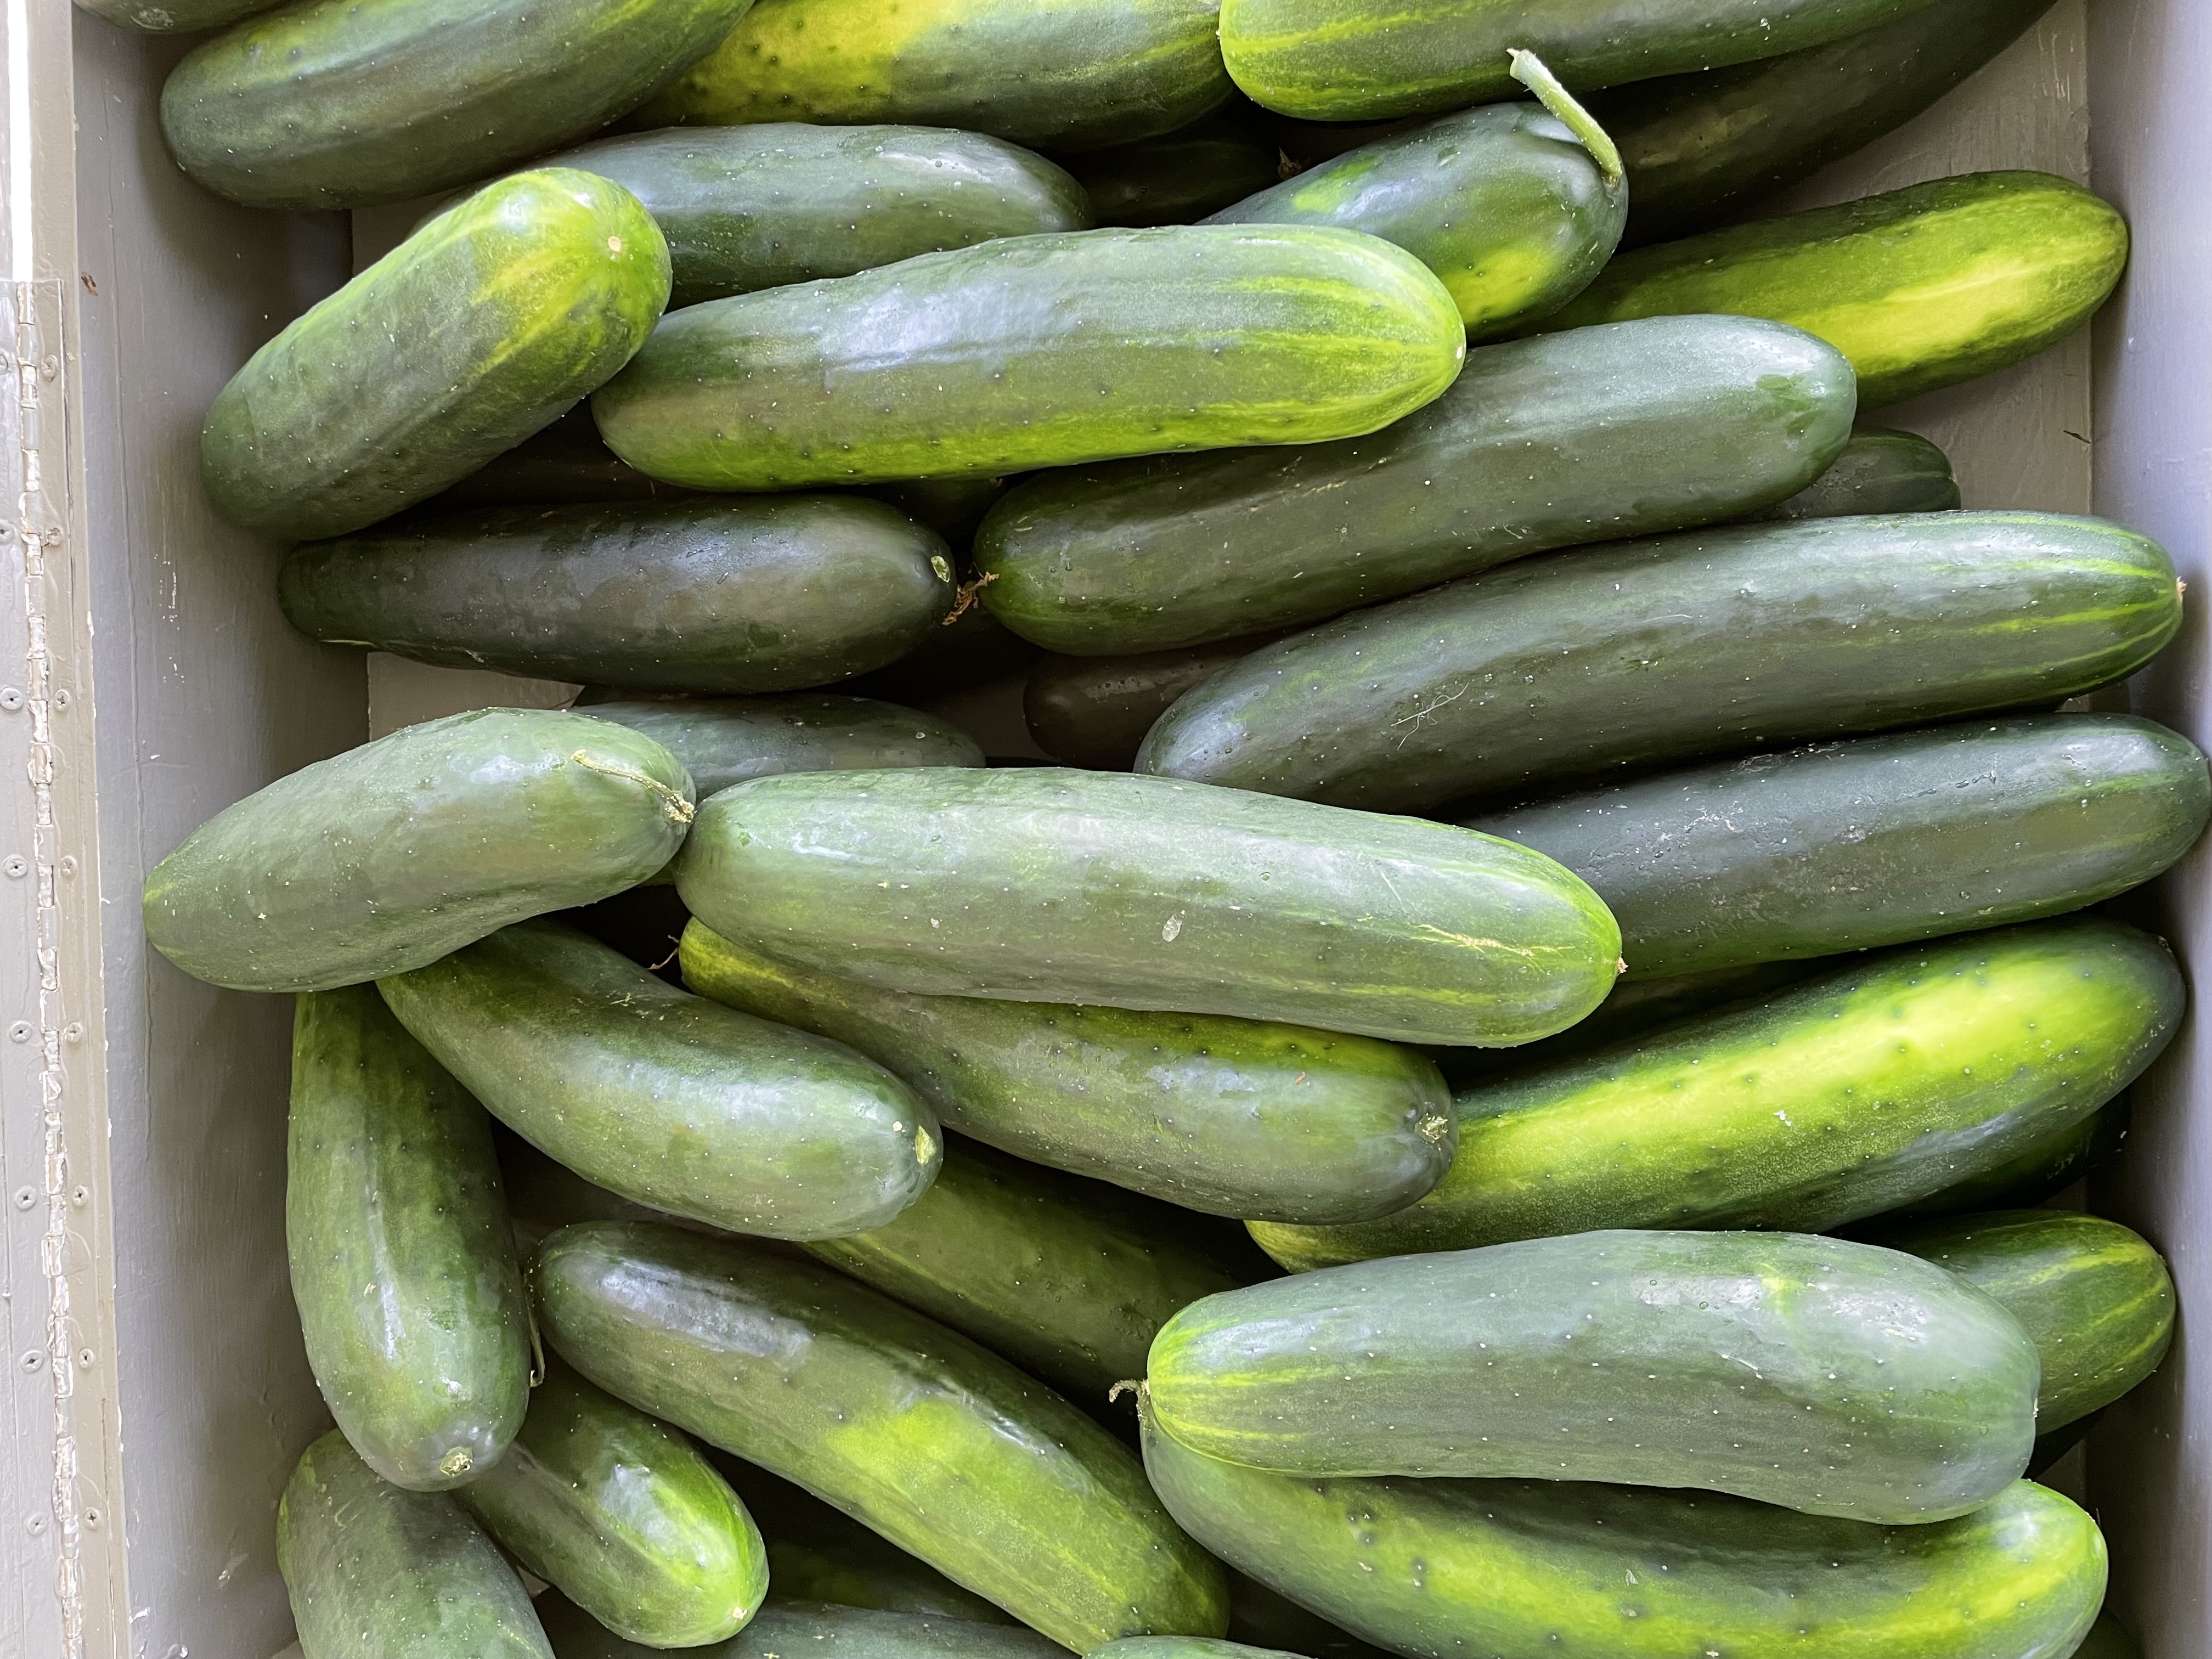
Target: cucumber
point(970, 648)
point(2108, 1640)
point(2048, 1167)
point(1851, 1094)
point(1880, 471)
point(518, 302)
point(1921, 288)
point(942, 1447)
point(664, 1097)
point(330, 104)
point(1875, 840)
point(1142, 893)
point(950, 507)
point(175, 16)
point(1094, 711)
point(1053, 350)
point(1830, 1377)
point(1177, 177)
point(699, 596)
point(1524, 1568)
point(1259, 1617)
point(726, 741)
point(373, 1570)
point(417, 1327)
point(393, 854)
point(1557, 669)
point(1587, 436)
point(1186, 1647)
point(787, 1627)
point(562, 464)
point(2095, 1298)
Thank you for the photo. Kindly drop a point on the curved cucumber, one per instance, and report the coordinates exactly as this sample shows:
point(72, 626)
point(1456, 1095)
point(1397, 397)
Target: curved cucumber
point(1561, 668)
point(664, 1097)
point(826, 1631)
point(1877, 840)
point(942, 1447)
point(391, 855)
point(1586, 436)
point(2049, 1166)
point(1177, 177)
point(726, 741)
point(1054, 349)
point(1880, 471)
point(1094, 711)
point(1839, 1099)
point(1921, 288)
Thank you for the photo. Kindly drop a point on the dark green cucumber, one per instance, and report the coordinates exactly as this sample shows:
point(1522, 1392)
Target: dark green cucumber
point(1875, 840)
point(625, 1516)
point(1100, 888)
point(680, 596)
point(518, 302)
point(1053, 350)
point(1529, 1568)
point(1921, 288)
point(2095, 1298)
point(1094, 711)
point(726, 741)
point(1880, 471)
point(939, 1445)
point(563, 463)
point(950, 507)
point(1830, 1377)
point(1675, 649)
point(667, 1098)
point(1841, 1097)
point(2048, 1167)
point(786, 1628)
point(1587, 436)
point(1177, 177)
point(391, 855)
point(373, 1569)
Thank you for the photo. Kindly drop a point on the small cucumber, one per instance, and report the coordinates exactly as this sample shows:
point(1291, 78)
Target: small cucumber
point(786, 1628)
point(726, 741)
point(1094, 711)
point(1177, 177)
point(1880, 470)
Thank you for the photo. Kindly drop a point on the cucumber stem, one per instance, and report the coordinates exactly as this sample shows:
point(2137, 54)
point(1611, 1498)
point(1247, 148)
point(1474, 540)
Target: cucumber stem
point(679, 810)
point(1528, 69)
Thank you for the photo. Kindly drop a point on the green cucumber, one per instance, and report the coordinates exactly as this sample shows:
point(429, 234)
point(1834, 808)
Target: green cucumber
point(1186, 1647)
point(391, 855)
point(950, 507)
point(1875, 840)
point(1261, 1616)
point(726, 741)
point(1880, 471)
point(939, 1445)
point(2048, 1167)
point(1054, 351)
point(2095, 1298)
point(1521, 1568)
point(518, 302)
point(330, 104)
point(175, 16)
point(666, 1098)
point(786, 1628)
point(1177, 177)
point(1846, 1096)
point(1047, 884)
point(1228, 1116)
point(1922, 287)
point(1094, 711)
point(1830, 1377)
point(403, 1264)
point(972, 647)
point(374, 1570)
point(1675, 649)
point(625, 1517)
point(699, 596)
point(1586, 436)
point(562, 464)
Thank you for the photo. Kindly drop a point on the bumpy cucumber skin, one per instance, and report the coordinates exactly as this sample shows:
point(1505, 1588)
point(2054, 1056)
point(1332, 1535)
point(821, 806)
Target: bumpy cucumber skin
point(1922, 287)
point(1587, 436)
point(1559, 668)
point(726, 741)
point(2046, 1169)
point(681, 596)
point(1524, 1568)
point(1093, 712)
point(1503, 204)
point(1056, 349)
point(2094, 1297)
point(667, 1098)
point(1226, 1116)
point(393, 854)
point(625, 1517)
point(1839, 1099)
point(939, 1445)
point(1830, 1377)
point(1177, 177)
point(1878, 841)
point(372, 1568)
point(1047, 884)
point(1880, 471)
point(826, 1630)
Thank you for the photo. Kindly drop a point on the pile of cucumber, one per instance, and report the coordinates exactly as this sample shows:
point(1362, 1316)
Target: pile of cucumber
point(1504, 1100)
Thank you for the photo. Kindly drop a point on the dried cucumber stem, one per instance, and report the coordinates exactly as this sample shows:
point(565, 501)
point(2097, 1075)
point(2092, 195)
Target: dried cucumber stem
point(1528, 69)
point(680, 811)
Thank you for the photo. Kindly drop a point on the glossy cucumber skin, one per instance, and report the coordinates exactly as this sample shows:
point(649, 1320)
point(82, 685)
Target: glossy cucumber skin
point(1047, 884)
point(736, 596)
point(2019, 260)
point(1585, 436)
point(1226, 1116)
point(1093, 712)
point(939, 1445)
point(726, 741)
point(666, 1098)
point(2048, 1167)
point(1559, 669)
point(1880, 471)
point(1973, 1049)
point(828, 1631)
point(520, 301)
point(2094, 1297)
point(374, 1568)
point(1177, 177)
point(1056, 349)
point(1875, 840)
point(1830, 1377)
point(391, 855)
point(1502, 202)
